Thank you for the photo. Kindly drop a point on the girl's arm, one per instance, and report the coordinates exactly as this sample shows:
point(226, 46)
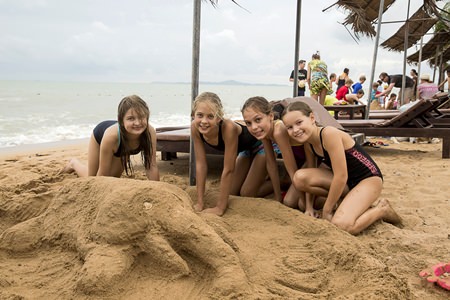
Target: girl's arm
point(272, 168)
point(230, 134)
point(201, 167)
point(281, 137)
point(333, 143)
point(108, 146)
point(153, 171)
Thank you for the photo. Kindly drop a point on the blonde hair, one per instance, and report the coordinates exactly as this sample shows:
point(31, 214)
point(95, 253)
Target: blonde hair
point(212, 100)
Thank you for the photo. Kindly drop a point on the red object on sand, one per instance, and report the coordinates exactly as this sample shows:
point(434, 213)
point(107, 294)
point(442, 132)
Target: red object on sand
point(439, 274)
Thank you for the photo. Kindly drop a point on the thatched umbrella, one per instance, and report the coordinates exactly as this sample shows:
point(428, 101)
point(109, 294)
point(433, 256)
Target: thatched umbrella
point(418, 25)
point(362, 14)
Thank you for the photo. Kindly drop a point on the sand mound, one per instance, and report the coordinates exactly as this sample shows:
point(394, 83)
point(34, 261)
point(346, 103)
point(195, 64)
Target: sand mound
point(99, 236)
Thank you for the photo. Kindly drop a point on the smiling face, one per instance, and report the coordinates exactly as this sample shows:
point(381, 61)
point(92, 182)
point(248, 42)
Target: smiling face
point(205, 118)
point(260, 125)
point(134, 123)
point(299, 127)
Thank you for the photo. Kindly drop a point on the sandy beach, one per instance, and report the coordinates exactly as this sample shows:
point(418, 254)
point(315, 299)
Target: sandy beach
point(64, 237)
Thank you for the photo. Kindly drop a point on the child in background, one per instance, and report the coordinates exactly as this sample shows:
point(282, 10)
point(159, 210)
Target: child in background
point(351, 184)
point(374, 102)
point(210, 127)
point(358, 86)
point(262, 123)
point(112, 142)
point(380, 89)
point(392, 102)
point(332, 80)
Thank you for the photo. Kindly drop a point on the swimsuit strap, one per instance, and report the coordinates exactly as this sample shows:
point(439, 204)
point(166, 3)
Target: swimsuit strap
point(321, 144)
point(321, 141)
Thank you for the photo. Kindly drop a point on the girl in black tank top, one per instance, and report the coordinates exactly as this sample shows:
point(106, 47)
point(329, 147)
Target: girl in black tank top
point(351, 183)
point(243, 175)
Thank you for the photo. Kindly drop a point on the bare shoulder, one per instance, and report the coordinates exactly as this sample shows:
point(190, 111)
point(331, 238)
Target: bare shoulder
point(230, 126)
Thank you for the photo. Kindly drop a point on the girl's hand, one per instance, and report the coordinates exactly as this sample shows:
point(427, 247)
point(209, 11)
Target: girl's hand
point(312, 213)
point(327, 215)
point(198, 207)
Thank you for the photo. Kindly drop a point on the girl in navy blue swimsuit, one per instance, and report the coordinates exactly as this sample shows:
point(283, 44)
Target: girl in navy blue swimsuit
point(352, 176)
point(112, 143)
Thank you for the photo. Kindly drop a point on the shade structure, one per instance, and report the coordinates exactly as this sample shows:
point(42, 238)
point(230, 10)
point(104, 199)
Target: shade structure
point(441, 40)
point(418, 25)
point(362, 14)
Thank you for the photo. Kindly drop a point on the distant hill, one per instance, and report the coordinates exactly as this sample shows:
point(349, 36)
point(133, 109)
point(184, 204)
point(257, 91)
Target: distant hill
point(226, 82)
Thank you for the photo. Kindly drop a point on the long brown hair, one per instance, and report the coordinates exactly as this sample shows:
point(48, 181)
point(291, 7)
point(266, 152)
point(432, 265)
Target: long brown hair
point(145, 140)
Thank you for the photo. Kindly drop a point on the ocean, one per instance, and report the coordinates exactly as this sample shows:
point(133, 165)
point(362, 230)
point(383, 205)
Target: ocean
point(34, 112)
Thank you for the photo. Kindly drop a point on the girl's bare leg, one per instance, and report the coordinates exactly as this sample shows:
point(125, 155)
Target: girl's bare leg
point(315, 181)
point(93, 158)
point(255, 178)
point(355, 213)
point(315, 96)
point(291, 199)
point(323, 94)
point(240, 173)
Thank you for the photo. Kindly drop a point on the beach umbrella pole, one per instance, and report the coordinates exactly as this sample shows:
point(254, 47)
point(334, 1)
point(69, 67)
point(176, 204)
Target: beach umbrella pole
point(297, 47)
point(375, 53)
point(194, 80)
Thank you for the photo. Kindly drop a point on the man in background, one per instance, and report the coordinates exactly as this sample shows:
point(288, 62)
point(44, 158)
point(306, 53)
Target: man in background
point(302, 74)
point(396, 81)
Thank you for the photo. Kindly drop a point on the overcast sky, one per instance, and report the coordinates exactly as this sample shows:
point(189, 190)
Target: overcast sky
point(149, 40)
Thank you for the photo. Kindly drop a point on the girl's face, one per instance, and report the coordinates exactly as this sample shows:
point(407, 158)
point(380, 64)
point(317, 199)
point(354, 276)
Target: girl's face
point(259, 124)
point(205, 118)
point(133, 123)
point(299, 127)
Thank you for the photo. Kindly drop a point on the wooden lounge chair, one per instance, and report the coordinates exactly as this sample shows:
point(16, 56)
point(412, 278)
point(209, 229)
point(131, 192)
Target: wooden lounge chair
point(416, 121)
point(439, 109)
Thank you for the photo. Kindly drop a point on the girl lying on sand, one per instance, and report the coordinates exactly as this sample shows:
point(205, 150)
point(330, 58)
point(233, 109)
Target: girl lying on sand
point(112, 143)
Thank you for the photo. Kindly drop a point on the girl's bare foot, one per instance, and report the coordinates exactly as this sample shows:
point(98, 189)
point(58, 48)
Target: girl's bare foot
point(67, 169)
point(389, 214)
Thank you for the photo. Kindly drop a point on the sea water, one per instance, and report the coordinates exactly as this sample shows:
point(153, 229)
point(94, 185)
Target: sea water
point(34, 112)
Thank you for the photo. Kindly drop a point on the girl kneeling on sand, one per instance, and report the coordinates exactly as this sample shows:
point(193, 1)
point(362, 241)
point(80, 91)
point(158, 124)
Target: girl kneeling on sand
point(260, 120)
point(112, 143)
point(353, 175)
point(210, 127)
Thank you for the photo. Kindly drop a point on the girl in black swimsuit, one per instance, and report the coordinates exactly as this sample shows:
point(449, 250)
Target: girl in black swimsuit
point(112, 143)
point(352, 174)
point(244, 175)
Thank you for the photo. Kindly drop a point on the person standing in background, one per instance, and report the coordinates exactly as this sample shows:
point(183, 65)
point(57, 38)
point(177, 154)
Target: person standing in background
point(414, 76)
point(396, 81)
point(340, 81)
point(447, 80)
point(302, 75)
point(318, 78)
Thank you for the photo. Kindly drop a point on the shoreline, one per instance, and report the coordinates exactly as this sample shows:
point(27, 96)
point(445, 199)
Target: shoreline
point(24, 149)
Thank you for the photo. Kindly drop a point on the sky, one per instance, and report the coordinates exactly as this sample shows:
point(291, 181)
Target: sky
point(151, 41)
